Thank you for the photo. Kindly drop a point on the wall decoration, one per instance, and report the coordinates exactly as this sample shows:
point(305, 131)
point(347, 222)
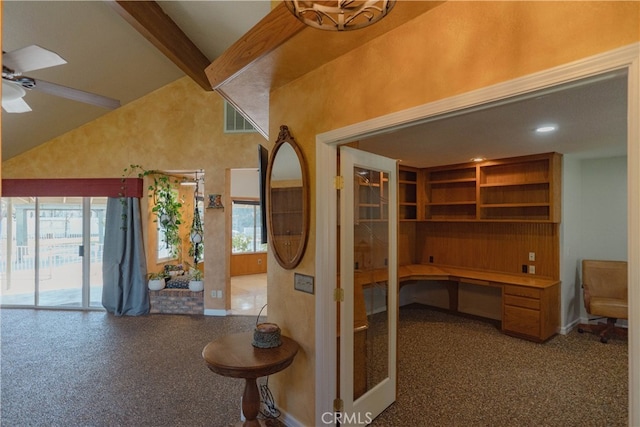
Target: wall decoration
point(215, 201)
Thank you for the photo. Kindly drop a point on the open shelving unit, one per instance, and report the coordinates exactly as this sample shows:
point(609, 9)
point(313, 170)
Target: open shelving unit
point(408, 193)
point(517, 189)
point(451, 193)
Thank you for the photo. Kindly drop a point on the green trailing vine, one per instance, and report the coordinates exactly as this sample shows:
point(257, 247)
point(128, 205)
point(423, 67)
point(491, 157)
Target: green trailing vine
point(166, 205)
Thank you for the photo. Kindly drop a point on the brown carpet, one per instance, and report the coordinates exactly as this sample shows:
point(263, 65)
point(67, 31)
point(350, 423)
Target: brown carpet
point(65, 368)
point(455, 371)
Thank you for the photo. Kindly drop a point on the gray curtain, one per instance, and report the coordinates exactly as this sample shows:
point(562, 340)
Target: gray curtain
point(124, 267)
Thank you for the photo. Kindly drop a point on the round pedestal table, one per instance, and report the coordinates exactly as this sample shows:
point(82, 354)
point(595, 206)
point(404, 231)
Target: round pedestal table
point(235, 356)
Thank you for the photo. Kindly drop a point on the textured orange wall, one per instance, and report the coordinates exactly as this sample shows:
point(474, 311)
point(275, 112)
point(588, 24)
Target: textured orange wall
point(178, 127)
point(455, 48)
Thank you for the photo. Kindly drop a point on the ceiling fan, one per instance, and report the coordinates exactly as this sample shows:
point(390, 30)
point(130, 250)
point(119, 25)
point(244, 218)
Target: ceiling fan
point(31, 58)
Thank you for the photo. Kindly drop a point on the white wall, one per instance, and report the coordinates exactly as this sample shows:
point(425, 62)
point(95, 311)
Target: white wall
point(594, 224)
point(604, 209)
point(570, 235)
point(245, 183)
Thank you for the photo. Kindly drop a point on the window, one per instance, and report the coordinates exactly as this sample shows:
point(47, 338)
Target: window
point(165, 252)
point(234, 122)
point(246, 227)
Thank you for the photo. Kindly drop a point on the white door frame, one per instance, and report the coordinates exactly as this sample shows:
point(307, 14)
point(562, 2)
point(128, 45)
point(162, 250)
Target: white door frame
point(326, 202)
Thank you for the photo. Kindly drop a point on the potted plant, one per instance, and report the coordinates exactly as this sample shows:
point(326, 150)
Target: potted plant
point(157, 281)
point(196, 284)
point(166, 206)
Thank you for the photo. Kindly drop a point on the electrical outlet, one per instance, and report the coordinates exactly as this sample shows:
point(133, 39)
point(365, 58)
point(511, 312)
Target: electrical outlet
point(532, 269)
point(532, 256)
point(524, 268)
point(219, 294)
point(213, 294)
point(431, 259)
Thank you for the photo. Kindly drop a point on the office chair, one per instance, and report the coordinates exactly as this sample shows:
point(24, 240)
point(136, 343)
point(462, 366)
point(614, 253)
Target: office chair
point(605, 295)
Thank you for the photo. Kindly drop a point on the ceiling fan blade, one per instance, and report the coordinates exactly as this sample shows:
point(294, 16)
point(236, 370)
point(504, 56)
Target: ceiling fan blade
point(75, 94)
point(31, 58)
point(15, 106)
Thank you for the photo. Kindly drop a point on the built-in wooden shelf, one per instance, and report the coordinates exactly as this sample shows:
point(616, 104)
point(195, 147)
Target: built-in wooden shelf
point(514, 189)
point(408, 194)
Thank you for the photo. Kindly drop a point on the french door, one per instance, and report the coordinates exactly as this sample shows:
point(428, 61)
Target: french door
point(51, 251)
point(368, 279)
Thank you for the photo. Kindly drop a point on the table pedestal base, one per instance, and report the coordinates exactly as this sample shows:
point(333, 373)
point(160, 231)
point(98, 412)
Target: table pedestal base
point(251, 403)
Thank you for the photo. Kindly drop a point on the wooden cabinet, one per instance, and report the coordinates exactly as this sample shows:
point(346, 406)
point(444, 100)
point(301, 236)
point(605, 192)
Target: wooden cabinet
point(408, 193)
point(523, 189)
point(531, 313)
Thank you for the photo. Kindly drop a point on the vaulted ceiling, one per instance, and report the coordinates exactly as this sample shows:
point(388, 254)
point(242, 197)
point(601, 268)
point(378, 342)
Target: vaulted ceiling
point(108, 54)
point(125, 50)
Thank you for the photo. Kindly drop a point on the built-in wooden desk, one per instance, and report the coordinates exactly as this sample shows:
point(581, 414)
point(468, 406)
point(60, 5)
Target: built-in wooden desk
point(530, 304)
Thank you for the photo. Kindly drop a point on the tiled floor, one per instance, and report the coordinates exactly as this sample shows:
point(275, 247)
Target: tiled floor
point(249, 294)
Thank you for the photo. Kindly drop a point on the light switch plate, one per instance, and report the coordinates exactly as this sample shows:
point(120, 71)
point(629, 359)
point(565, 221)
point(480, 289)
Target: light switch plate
point(303, 283)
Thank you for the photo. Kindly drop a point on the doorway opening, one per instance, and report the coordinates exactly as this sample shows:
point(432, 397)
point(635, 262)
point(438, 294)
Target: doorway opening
point(327, 147)
point(248, 258)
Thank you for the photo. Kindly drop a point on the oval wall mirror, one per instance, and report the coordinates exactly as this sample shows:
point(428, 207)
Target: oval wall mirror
point(288, 201)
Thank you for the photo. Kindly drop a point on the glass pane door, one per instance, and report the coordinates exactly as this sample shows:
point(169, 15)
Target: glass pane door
point(368, 277)
point(51, 251)
point(18, 251)
point(60, 248)
point(98, 213)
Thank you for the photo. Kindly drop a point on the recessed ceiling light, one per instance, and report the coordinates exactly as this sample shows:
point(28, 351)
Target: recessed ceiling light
point(546, 128)
point(478, 159)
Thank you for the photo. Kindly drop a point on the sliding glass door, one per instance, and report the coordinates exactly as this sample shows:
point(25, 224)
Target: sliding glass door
point(52, 251)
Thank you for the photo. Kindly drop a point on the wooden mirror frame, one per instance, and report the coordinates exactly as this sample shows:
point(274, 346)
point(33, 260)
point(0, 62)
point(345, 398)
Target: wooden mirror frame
point(284, 137)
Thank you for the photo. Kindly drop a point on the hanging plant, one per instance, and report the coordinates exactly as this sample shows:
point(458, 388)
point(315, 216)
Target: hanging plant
point(196, 235)
point(166, 206)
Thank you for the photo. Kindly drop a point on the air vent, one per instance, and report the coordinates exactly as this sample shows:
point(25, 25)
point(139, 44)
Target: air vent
point(234, 122)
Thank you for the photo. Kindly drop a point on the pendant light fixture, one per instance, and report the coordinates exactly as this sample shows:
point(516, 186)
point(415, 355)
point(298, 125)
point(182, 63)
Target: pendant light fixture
point(340, 15)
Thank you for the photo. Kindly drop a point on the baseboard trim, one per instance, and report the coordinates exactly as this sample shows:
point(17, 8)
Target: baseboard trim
point(289, 420)
point(564, 330)
point(215, 312)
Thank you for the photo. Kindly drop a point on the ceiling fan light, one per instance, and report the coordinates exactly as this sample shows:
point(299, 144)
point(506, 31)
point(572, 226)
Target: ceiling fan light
point(339, 15)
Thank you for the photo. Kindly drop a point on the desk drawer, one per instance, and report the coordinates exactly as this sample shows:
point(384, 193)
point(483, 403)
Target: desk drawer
point(521, 321)
point(522, 291)
point(517, 301)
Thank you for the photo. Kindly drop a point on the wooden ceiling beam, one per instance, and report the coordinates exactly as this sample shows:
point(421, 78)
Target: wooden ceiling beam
point(156, 26)
point(267, 35)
